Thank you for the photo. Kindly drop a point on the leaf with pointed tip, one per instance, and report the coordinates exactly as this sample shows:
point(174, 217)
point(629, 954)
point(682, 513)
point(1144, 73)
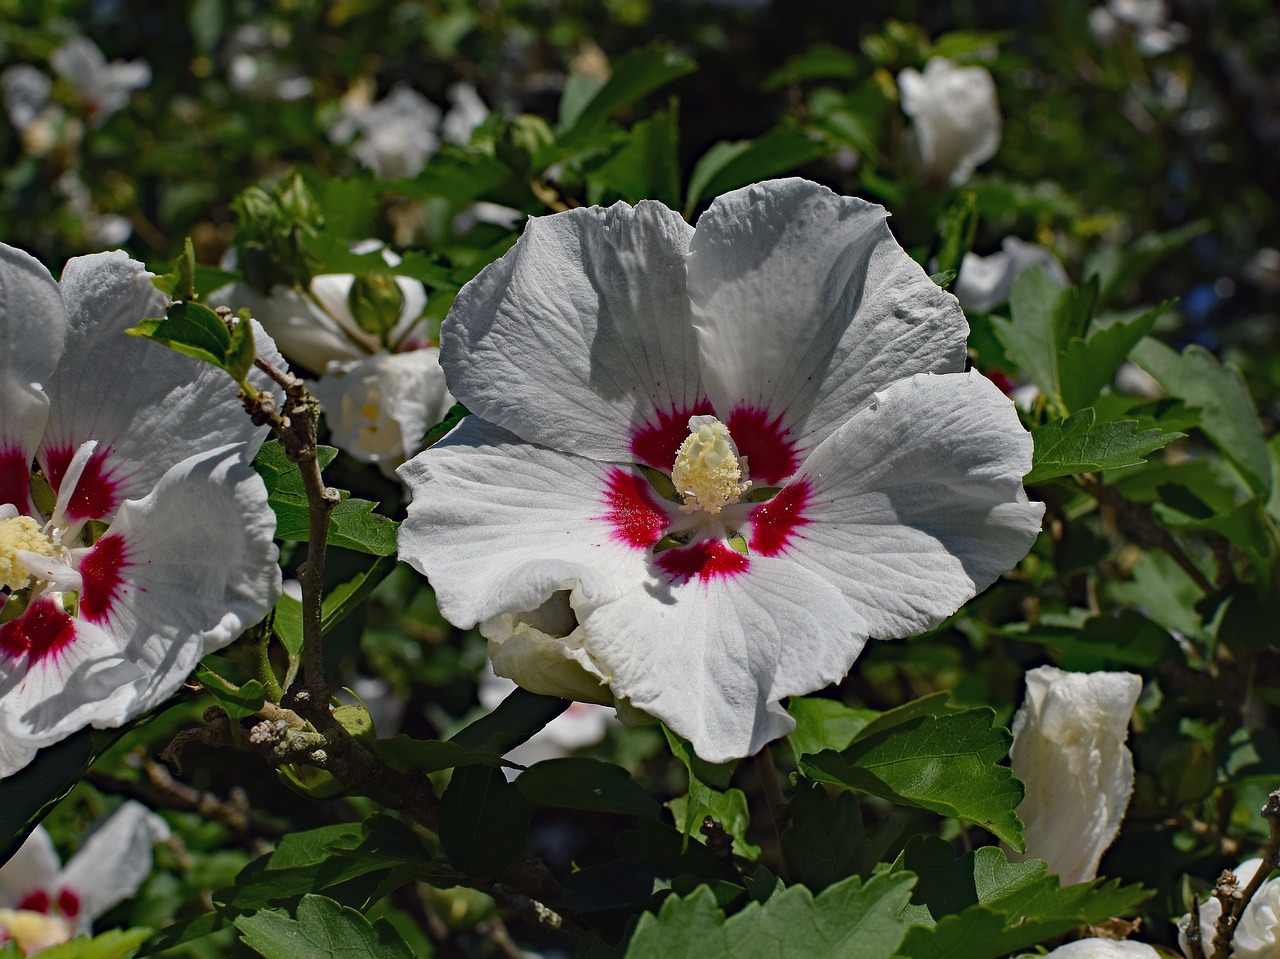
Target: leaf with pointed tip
point(1079, 444)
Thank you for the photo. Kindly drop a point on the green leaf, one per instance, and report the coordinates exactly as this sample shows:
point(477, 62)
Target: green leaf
point(1086, 365)
point(647, 166)
point(848, 919)
point(633, 76)
point(1119, 264)
point(824, 724)
point(484, 821)
point(324, 929)
point(981, 906)
point(336, 605)
point(729, 809)
point(451, 419)
point(1103, 642)
point(180, 282)
point(352, 524)
point(1227, 414)
point(729, 165)
point(580, 783)
point(194, 330)
point(115, 944)
point(705, 779)
point(822, 61)
point(517, 718)
point(238, 703)
point(1030, 338)
point(406, 754)
point(934, 704)
point(948, 764)
point(1079, 444)
point(826, 840)
point(956, 234)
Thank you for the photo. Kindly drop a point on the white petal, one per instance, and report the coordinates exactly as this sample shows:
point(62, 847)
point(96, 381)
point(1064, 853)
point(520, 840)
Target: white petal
point(498, 525)
point(184, 571)
point(1104, 949)
point(32, 325)
point(712, 657)
point(955, 119)
point(300, 328)
point(986, 281)
point(115, 860)
point(1069, 750)
point(915, 504)
point(805, 305)
point(34, 866)
point(379, 407)
point(579, 337)
point(148, 406)
point(57, 675)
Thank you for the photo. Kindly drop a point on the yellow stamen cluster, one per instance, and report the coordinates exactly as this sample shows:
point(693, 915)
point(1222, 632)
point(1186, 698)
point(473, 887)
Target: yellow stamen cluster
point(706, 472)
point(20, 533)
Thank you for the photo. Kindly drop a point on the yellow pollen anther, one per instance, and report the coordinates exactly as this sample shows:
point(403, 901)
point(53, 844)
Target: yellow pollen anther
point(20, 533)
point(707, 473)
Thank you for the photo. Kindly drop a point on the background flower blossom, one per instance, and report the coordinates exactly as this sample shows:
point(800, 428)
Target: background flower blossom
point(1069, 751)
point(43, 903)
point(852, 483)
point(1258, 934)
point(985, 282)
point(955, 119)
point(145, 541)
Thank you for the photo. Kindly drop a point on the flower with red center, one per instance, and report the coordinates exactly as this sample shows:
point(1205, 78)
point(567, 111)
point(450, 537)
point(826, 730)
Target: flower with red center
point(43, 903)
point(706, 465)
point(142, 539)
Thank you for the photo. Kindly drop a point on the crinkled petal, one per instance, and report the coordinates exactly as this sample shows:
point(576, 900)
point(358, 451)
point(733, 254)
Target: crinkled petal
point(32, 325)
point(34, 866)
point(805, 305)
point(148, 407)
point(379, 407)
point(713, 656)
point(579, 337)
point(915, 504)
point(114, 860)
point(184, 571)
point(57, 675)
point(1104, 949)
point(498, 525)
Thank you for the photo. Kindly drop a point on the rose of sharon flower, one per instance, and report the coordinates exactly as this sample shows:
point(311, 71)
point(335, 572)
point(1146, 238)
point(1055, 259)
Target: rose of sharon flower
point(1258, 934)
point(382, 388)
point(103, 87)
point(145, 541)
point(1103, 949)
point(1069, 751)
point(955, 119)
point(985, 282)
point(43, 903)
point(706, 465)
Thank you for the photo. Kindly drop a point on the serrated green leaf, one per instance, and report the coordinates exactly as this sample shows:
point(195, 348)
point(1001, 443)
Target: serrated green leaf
point(1088, 364)
point(948, 764)
point(238, 703)
point(337, 604)
point(934, 704)
point(824, 724)
point(729, 165)
point(580, 783)
point(324, 929)
point(1079, 444)
point(955, 236)
point(633, 76)
point(484, 821)
point(728, 808)
point(705, 779)
point(647, 166)
point(848, 919)
point(1227, 413)
point(194, 330)
point(1029, 338)
point(826, 841)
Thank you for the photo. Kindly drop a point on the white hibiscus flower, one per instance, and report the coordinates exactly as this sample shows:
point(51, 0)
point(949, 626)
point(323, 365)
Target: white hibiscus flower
point(103, 87)
point(955, 119)
point(1258, 934)
point(707, 465)
point(43, 903)
point(985, 282)
point(152, 544)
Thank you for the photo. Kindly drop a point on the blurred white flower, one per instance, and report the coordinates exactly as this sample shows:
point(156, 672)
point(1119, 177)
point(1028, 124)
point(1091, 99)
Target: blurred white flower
point(955, 119)
point(43, 903)
point(581, 725)
point(467, 112)
point(1258, 935)
point(102, 231)
point(393, 137)
point(254, 70)
point(986, 281)
point(26, 94)
point(1103, 949)
point(103, 87)
point(1147, 21)
point(1069, 750)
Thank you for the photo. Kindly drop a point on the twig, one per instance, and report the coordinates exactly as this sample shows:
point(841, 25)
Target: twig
point(1235, 900)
